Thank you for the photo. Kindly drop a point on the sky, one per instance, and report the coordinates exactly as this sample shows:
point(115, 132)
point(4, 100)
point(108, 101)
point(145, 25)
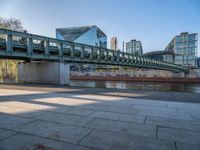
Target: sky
point(153, 22)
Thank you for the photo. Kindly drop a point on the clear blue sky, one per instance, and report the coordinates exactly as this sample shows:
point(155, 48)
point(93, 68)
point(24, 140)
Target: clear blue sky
point(154, 22)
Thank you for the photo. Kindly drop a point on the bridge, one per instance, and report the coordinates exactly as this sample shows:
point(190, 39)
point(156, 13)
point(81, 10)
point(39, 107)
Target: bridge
point(30, 47)
point(158, 55)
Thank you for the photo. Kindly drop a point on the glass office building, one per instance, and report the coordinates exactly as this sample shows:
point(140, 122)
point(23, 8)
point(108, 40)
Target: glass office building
point(198, 62)
point(184, 47)
point(134, 47)
point(90, 35)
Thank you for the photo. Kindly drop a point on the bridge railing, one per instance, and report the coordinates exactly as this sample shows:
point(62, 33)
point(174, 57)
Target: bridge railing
point(20, 45)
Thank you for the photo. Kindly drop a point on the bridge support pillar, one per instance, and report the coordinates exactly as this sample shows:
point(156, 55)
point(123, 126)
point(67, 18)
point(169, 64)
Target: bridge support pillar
point(44, 72)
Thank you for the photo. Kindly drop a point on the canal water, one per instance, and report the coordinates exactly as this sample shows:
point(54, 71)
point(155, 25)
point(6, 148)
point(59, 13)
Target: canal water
point(150, 86)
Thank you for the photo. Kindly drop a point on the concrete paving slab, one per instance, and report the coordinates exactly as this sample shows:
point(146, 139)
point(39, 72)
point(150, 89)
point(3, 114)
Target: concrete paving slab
point(26, 103)
point(6, 92)
point(123, 127)
point(155, 109)
point(115, 141)
point(6, 133)
point(195, 112)
point(183, 105)
point(10, 122)
point(74, 111)
point(21, 112)
point(173, 123)
point(151, 103)
point(29, 142)
point(196, 117)
point(117, 103)
point(55, 131)
point(118, 116)
point(165, 114)
point(106, 100)
point(103, 98)
point(65, 118)
point(183, 146)
point(109, 108)
point(63, 100)
point(183, 136)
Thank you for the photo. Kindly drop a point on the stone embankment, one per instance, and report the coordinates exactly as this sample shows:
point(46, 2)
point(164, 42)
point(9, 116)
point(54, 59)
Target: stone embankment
point(136, 79)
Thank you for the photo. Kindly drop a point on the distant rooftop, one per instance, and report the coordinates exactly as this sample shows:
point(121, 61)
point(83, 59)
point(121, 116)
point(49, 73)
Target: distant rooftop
point(185, 33)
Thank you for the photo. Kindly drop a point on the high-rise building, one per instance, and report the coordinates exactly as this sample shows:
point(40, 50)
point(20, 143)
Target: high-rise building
point(198, 62)
point(114, 43)
point(134, 47)
point(184, 48)
point(90, 35)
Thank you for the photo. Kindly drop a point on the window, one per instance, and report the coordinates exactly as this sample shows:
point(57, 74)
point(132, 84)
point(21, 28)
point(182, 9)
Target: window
point(178, 39)
point(192, 37)
point(191, 56)
point(179, 51)
point(178, 57)
point(191, 50)
point(192, 44)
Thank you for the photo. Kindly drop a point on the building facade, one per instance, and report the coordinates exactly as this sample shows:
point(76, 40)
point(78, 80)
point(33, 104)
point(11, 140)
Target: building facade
point(90, 35)
point(184, 48)
point(114, 43)
point(134, 47)
point(159, 55)
point(198, 62)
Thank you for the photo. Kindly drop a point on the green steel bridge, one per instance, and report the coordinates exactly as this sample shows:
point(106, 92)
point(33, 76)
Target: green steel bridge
point(30, 47)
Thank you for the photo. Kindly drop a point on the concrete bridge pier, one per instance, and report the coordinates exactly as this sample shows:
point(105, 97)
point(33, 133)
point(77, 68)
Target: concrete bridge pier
point(44, 72)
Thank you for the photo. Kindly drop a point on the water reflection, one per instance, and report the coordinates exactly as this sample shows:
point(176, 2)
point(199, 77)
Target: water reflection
point(150, 86)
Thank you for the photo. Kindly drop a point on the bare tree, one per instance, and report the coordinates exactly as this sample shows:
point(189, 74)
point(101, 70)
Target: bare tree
point(8, 68)
point(12, 24)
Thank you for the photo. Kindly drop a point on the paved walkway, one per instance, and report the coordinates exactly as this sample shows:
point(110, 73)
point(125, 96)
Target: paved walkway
point(53, 118)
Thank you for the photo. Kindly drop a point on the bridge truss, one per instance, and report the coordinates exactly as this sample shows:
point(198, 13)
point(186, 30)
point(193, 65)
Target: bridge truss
point(30, 47)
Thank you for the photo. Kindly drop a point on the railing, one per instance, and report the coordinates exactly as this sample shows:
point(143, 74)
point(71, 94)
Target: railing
point(19, 45)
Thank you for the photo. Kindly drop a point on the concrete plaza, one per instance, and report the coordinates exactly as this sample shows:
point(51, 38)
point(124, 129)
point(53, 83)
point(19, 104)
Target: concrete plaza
point(65, 118)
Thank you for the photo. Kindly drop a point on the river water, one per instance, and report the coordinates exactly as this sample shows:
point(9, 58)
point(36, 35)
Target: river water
point(149, 86)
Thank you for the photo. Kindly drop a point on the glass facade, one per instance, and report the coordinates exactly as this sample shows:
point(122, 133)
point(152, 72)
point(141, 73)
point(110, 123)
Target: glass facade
point(198, 62)
point(160, 55)
point(184, 47)
point(134, 47)
point(168, 58)
point(90, 35)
